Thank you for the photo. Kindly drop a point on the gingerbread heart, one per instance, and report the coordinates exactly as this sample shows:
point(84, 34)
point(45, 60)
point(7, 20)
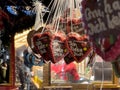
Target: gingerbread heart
point(101, 20)
point(42, 42)
point(58, 46)
point(30, 38)
point(78, 46)
point(75, 25)
point(63, 25)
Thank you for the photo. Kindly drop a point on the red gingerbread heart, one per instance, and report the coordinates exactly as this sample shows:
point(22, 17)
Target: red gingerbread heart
point(101, 20)
point(62, 25)
point(30, 38)
point(78, 46)
point(75, 25)
point(42, 43)
point(58, 46)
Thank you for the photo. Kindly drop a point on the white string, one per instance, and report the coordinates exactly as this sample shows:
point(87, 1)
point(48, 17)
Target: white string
point(65, 6)
point(71, 15)
point(55, 21)
point(52, 9)
point(57, 14)
point(60, 9)
point(49, 6)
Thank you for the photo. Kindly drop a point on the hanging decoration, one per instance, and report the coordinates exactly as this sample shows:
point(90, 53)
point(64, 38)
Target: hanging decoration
point(78, 46)
point(77, 41)
point(50, 43)
point(42, 44)
point(53, 42)
point(38, 25)
point(101, 19)
point(59, 48)
point(30, 38)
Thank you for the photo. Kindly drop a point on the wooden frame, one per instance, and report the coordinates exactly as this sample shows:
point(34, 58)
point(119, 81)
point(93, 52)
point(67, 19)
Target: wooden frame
point(9, 63)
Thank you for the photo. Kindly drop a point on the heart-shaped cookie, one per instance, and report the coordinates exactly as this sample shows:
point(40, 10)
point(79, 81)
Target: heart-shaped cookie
point(101, 20)
point(75, 25)
point(62, 25)
point(42, 42)
point(30, 38)
point(58, 46)
point(78, 46)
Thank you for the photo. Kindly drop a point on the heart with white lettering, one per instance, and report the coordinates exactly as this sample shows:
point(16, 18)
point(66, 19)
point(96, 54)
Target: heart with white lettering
point(75, 25)
point(58, 46)
point(42, 43)
point(62, 25)
point(78, 46)
point(102, 21)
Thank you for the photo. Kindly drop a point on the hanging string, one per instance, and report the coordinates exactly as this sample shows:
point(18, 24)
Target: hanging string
point(54, 21)
point(58, 14)
point(71, 14)
point(62, 8)
point(55, 4)
point(65, 11)
point(48, 6)
point(49, 15)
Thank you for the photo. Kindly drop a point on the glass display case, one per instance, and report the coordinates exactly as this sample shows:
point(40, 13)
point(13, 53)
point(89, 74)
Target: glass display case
point(81, 72)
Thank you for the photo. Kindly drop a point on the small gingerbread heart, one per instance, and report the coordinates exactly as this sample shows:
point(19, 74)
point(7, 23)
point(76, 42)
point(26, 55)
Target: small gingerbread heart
point(78, 46)
point(58, 46)
point(42, 42)
point(30, 38)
